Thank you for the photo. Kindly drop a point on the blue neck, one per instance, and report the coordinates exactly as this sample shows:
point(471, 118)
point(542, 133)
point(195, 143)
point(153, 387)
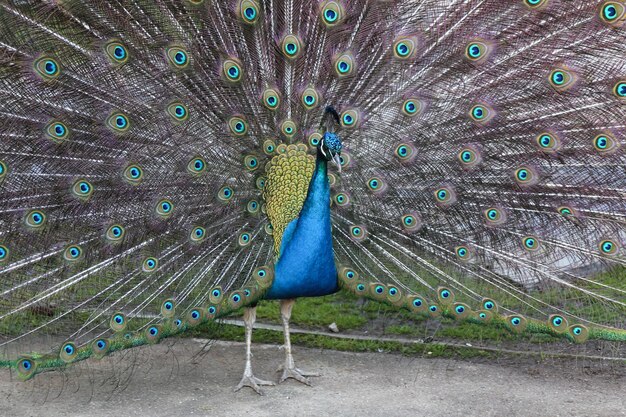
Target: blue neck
point(306, 266)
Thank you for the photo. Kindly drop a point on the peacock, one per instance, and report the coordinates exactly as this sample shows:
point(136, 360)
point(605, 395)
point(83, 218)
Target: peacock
point(167, 163)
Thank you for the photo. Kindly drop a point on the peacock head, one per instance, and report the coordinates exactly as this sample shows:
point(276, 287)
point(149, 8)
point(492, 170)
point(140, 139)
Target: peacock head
point(330, 148)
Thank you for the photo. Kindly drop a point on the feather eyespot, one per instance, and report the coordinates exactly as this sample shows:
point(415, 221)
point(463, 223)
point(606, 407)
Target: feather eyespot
point(608, 247)
point(481, 113)
point(178, 111)
point(118, 122)
point(477, 51)
point(288, 128)
point(164, 208)
point(115, 233)
point(4, 254)
point(548, 142)
point(82, 190)
point(404, 48)
point(238, 126)
point(116, 52)
point(47, 68)
point(531, 243)
point(196, 166)
point(349, 118)
point(411, 222)
point(619, 90)
point(310, 98)
point(445, 196)
point(72, 253)
point(613, 13)
point(344, 64)
point(271, 99)
point(291, 46)
point(463, 253)
point(197, 234)
point(412, 107)
point(244, 239)
point(35, 219)
point(232, 70)
point(332, 13)
point(562, 79)
point(526, 176)
point(149, 264)
point(358, 233)
point(494, 216)
point(605, 143)
point(133, 174)
point(57, 131)
point(536, 4)
point(248, 11)
point(177, 57)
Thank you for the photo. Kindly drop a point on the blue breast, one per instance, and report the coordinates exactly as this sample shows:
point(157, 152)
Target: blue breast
point(306, 266)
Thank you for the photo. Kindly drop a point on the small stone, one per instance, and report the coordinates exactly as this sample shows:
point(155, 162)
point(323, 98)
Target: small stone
point(333, 328)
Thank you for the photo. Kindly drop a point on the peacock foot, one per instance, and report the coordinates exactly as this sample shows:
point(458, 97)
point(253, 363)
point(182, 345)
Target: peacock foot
point(297, 374)
point(253, 382)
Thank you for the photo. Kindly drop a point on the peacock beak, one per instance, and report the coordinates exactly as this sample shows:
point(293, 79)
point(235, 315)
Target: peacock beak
point(337, 161)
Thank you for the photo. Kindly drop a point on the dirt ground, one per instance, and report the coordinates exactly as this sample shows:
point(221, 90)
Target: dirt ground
point(190, 378)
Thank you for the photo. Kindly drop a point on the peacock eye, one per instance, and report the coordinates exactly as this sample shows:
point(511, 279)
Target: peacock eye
point(481, 113)
point(196, 166)
point(376, 185)
point(332, 13)
point(82, 190)
point(225, 193)
point(608, 247)
point(310, 98)
point(477, 51)
point(314, 139)
point(612, 12)
point(531, 243)
point(118, 122)
point(248, 11)
point(244, 239)
point(164, 208)
point(47, 68)
point(411, 222)
point(197, 234)
point(291, 46)
point(57, 131)
point(35, 219)
point(232, 70)
point(445, 196)
point(526, 176)
point(620, 89)
point(288, 128)
point(72, 253)
point(150, 264)
point(344, 64)
point(535, 4)
point(116, 52)
point(271, 99)
point(562, 79)
point(358, 232)
point(548, 142)
point(566, 211)
point(349, 118)
point(238, 126)
point(178, 111)
point(133, 174)
point(177, 56)
point(463, 253)
point(342, 199)
point(404, 48)
point(494, 216)
point(4, 254)
point(115, 233)
point(469, 157)
point(605, 143)
point(412, 107)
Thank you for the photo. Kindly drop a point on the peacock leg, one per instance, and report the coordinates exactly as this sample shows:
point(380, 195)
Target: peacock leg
point(249, 380)
point(289, 368)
